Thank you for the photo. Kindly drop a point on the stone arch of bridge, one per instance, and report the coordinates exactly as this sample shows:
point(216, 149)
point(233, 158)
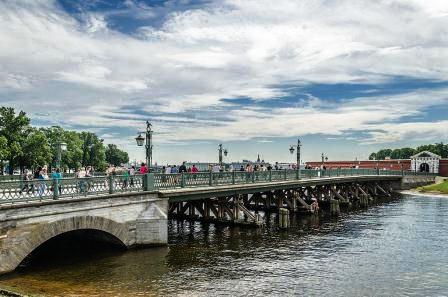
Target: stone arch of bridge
point(48, 231)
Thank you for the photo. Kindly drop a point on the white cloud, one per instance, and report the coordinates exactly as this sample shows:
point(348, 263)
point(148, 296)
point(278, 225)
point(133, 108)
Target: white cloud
point(88, 74)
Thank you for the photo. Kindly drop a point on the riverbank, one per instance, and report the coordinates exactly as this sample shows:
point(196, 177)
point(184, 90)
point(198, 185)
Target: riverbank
point(438, 188)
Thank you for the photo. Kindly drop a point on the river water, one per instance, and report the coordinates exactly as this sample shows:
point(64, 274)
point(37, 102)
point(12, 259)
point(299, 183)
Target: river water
point(399, 248)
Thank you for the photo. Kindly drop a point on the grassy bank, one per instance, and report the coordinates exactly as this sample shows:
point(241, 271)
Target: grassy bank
point(436, 188)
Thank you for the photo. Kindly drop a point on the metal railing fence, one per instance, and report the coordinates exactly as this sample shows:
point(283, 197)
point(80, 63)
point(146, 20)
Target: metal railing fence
point(22, 191)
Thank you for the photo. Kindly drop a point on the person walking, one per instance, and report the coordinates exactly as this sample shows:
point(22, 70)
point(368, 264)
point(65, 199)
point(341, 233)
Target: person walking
point(216, 168)
point(81, 175)
point(131, 175)
point(125, 178)
point(182, 168)
point(26, 177)
point(143, 169)
point(43, 176)
point(57, 175)
point(168, 169)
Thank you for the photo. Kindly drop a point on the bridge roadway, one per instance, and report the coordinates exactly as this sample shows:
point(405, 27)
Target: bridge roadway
point(140, 218)
point(199, 193)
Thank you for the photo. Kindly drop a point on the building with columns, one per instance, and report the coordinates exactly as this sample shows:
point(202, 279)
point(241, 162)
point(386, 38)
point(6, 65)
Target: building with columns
point(425, 162)
point(422, 162)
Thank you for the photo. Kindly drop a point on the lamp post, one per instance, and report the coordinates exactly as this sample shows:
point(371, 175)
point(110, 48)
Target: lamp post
point(148, 145)
point(221, 151)
point(60, 147)
point(324, 158)
point(291, 150)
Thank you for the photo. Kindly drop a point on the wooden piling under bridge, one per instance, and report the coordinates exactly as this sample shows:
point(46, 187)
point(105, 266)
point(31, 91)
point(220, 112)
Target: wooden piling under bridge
point(249, 204)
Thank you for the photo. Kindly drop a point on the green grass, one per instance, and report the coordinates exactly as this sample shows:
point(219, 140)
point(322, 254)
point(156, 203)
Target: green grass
point(439, 188)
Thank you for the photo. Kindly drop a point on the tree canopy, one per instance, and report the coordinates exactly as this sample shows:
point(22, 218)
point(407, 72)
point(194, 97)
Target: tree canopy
point(24, 146)
point(440, 149)
point(115, 156)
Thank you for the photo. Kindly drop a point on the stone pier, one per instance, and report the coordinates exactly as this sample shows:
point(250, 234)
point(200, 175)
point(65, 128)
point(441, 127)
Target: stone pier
point(131, 219)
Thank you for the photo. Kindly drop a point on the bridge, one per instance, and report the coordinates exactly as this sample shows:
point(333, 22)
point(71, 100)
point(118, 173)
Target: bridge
point(133, 211)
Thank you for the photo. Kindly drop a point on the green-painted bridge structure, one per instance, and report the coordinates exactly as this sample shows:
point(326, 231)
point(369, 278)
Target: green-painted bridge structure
point(133, 211)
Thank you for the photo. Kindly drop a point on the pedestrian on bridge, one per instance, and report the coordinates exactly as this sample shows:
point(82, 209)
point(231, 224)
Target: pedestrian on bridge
point(57, 175)
point(27, 185)
point(143, 169)
point(132, 174)
point(182, 168)
point(43, 176)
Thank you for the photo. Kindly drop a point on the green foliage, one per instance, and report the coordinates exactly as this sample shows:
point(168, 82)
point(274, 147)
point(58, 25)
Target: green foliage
point(93, 151)
point(383, 154)
point(116, 156)
point(72, 158)
point(406, 152)
point(4, 151)
point(439, 188)
point(24, 146)
point(36, 150)
point(14, 129)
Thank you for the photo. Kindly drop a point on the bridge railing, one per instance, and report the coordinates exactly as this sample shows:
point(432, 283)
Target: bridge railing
point(18, 190)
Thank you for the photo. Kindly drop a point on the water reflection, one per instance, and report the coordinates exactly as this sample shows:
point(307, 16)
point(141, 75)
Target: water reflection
point(398, 248)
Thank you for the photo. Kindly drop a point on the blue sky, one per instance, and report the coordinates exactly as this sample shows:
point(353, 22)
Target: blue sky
point(345, 77)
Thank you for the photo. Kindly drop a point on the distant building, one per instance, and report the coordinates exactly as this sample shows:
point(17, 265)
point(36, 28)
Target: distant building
point(425, 162)
point(421, 162)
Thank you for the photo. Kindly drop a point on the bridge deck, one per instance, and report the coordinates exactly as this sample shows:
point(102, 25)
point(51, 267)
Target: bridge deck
point(184, 194)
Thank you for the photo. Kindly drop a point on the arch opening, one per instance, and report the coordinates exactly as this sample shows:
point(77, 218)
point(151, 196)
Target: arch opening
point(73, 247)
point(424, 167)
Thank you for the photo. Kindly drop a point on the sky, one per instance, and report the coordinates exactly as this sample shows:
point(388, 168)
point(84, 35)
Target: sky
point(345, 77)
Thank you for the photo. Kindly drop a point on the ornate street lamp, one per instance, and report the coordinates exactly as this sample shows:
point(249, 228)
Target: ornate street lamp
point(291, 150)
point(60, 147)
point(221, 151)
point(323, 158)
point(148, 137)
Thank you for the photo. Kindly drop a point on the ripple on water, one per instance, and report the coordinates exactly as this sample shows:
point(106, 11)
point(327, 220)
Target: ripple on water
point(398, 248)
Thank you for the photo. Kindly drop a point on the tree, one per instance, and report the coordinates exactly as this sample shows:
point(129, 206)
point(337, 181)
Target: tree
point(427, 147)
point(93, 151)
point(72, 158)
point(383, 154)
point(441, 149)
point(36, 150)
point(13, 128)
point(4, 151)
point(116, 156)
point(372, 156)
point(396, 154)
point(407, 152)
